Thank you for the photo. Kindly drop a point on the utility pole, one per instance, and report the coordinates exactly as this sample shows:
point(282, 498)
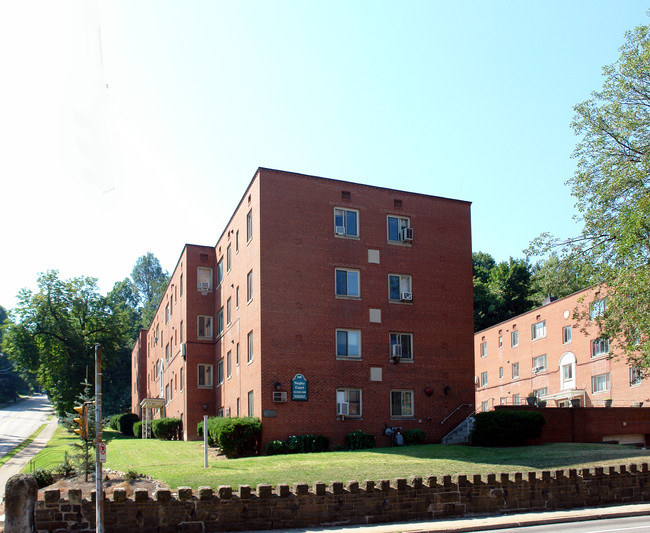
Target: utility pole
point(99, 492)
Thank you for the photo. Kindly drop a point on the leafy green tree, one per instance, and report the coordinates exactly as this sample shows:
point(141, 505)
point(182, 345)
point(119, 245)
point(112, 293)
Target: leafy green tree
point(558, 277)
point(150, 281)
point(611, 187)
point(501, 290)
point(55, 330)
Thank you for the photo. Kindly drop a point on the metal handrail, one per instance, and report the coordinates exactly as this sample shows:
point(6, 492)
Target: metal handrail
point(457, 408)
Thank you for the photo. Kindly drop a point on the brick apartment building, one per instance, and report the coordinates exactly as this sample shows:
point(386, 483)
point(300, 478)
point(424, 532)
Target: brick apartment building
point(324, 307)
point(546, 352)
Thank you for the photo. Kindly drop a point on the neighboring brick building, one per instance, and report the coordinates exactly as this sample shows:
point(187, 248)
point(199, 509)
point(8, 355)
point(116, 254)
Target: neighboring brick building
point(546, 351)
point(324, 307)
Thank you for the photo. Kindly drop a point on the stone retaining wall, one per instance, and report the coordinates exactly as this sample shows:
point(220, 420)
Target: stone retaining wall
point(368, 502)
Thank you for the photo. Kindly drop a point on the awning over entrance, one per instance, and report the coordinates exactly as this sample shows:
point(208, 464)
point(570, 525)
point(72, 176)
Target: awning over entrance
point(148, 405)
point(566, 395)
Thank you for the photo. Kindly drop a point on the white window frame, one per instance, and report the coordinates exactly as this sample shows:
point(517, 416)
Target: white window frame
point(410, 405)
point(483, 349)
point(343, 396)
point(566, 335)
point(229, 311)
point(203, 274)
point(599, 347)
point(342, 222)
point(538, 330)
point(516, 399)
point(540, 392)
point(251, 403)
point(600, 383)
point(635, 376)
point(229, 364)
point(249, 226)
point(208, 325)
point(484, 378)
point(204, 375)
point(402, 222)
point(514, 338)
point(249, 287)
point(597, 308)
point(220, 373)
point(398, 338)
point(500, 341)
point(220, 272)
point(348, 272)
point(250, 347)
point(515, 370)
point(220, 324)
point(347, 344)
point(541, 362)
point(500, 372)
point(229, 258)
point(405, 285)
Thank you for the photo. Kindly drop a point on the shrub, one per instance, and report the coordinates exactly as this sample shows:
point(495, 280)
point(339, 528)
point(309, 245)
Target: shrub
point(125, 423)
point(112, 421)
point(506, 428)
point(276, 447)
point(359, 440)
point(239, 437)
point(414, 436)
point(137, 429)
point(167, 428)
point(43, 477)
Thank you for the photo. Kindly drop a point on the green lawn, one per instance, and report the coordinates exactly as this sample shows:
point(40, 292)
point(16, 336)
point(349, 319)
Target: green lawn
point(181, 463)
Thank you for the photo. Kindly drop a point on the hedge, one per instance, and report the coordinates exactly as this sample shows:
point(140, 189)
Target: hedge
point(167, 428)
point(237, 437)
point(501, 427)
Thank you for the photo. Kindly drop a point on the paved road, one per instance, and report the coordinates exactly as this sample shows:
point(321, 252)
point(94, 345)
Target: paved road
point(20, 420)
point(635, 524)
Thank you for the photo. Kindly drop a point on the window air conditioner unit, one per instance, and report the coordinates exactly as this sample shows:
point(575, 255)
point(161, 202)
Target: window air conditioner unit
point(396, 350)
point(406, 296)
point(342, 408)
point(279, 396)
point(205, 285)
point(538, 369)
point(406, 234)
point(183, 349)
point(340, 230)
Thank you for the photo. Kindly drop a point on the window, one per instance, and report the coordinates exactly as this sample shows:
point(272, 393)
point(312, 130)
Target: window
point(405, 343)
point(250, 346)
point(500, 372)
point(502, 401)
point(347, 282)
point(167, 353)
point(515, 370)
point(516, 399)
point(229, 258)
point(237, 355)
point(484, 349)
point(251, 404)
point(181, 331)
point(500, 341)
point(220, 372)
point(220, 322)
point(401, 403)
point(540, 392)
point(166, 313)
point(635, 376)
point(600, 383)
point(567, 372)
point(539, 364)
point(249, 286)
point(484, 378)
point(249, 226)
point(205, 327)
point(219, 271)
point(181, 285)
point(167, 393)
point(399, 287)
point(599, 347)
point(237, 242)
point(539, 330)
point(395, 227)
point(566, 334)
point(204, 278)
point(597, 309)
point(567, 365)
point(182, 375)
point(346, 222)
point(514, 339)
point(229, 363)
point(237, 297)
point(351, 397)
point(348, 343)
point(485, 406)
point(229, 311)
point(205, 376)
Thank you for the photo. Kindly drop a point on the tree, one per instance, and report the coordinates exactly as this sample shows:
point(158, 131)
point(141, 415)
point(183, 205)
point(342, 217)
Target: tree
point(150, 281)
point(501, 291)
point(610, 186)
point(558, 277)
point(55, 330)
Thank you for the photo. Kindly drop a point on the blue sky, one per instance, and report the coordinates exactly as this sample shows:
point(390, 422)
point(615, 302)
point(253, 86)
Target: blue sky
point(148, 141)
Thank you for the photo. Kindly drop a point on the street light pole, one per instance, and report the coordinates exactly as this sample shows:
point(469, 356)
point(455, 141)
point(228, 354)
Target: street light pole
point(99, 493)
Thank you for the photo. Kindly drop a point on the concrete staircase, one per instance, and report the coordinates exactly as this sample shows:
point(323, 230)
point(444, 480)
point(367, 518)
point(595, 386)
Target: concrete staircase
point(461, 433)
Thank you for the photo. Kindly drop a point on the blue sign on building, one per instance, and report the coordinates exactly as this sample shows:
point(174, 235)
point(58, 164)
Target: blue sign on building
point(299, 388)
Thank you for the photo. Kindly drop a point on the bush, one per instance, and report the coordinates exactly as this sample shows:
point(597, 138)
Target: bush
point(167, 428)
point(414, 436)
point(506, 428)
point(359, 440)
point(125, 423)
point(137, 429)
point(239, 437)
point(112, 421)
point(43, 477)
point(276, 447)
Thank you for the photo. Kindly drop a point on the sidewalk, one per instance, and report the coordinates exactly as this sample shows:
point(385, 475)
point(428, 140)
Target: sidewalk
point(17, 462)
point(485, 523)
